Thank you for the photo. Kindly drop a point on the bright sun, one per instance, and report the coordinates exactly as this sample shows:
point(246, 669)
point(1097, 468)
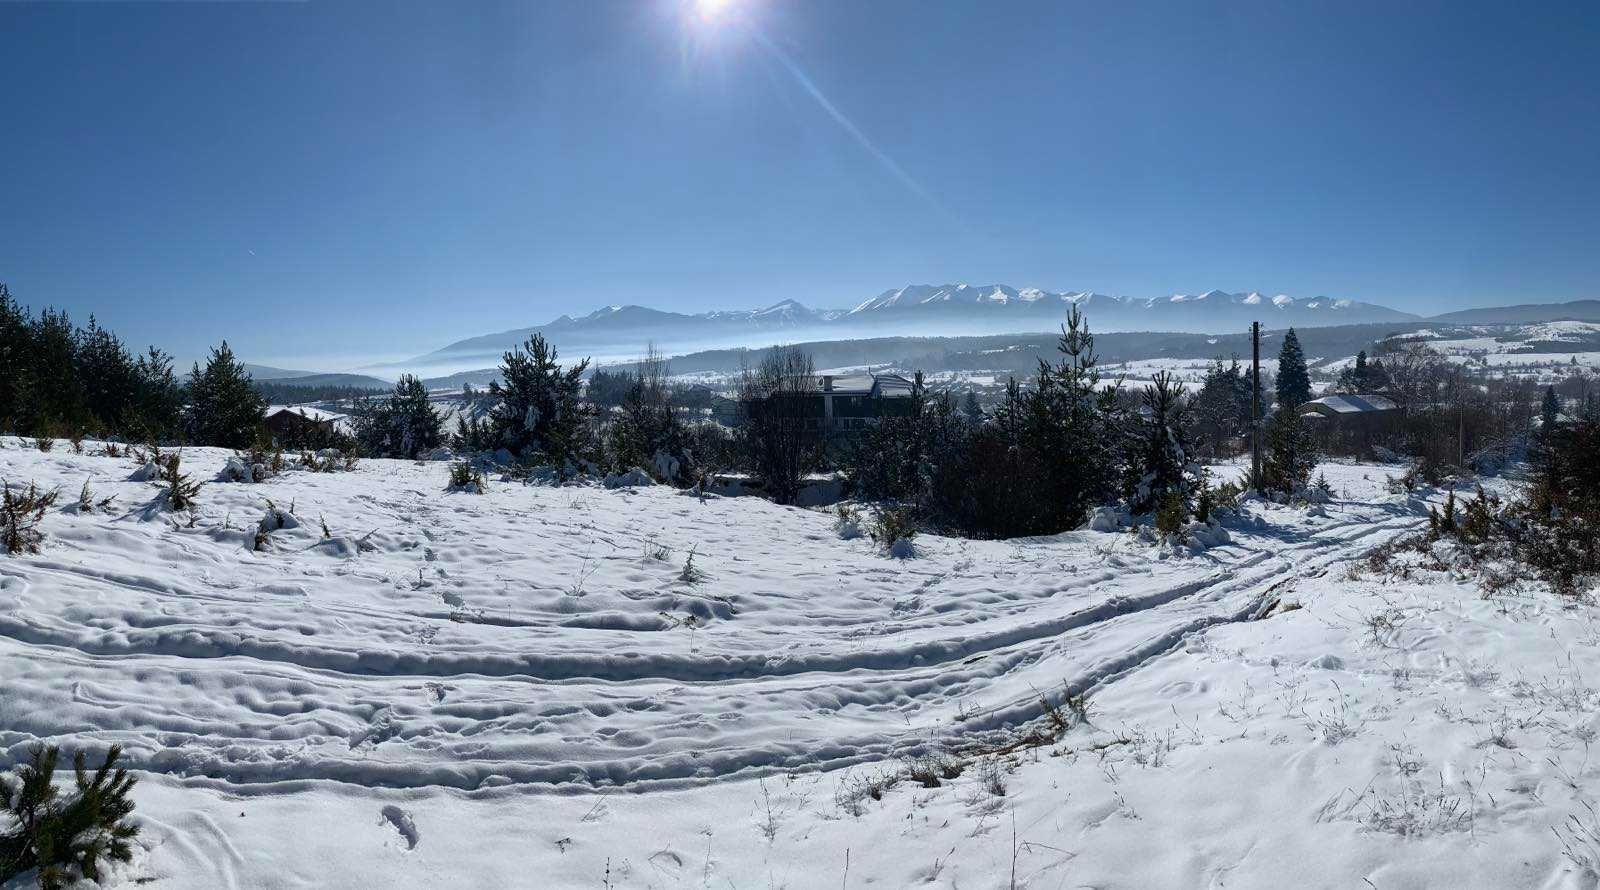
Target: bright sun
point(711, 10)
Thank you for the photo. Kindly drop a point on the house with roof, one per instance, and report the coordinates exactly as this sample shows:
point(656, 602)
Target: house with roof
point(1347, 406)
point(303, 425)
point(1346, 415)
point(842, 403)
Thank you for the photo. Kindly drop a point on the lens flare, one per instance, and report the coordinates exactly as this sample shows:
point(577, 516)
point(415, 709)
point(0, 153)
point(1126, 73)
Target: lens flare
point(711, 10)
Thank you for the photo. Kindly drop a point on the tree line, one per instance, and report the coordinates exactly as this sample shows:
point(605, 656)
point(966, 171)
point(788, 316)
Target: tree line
point(61, 380)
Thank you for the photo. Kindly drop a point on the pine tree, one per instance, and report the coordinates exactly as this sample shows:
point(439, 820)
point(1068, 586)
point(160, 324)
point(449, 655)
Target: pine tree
point(1071, 424)
point(1294, 381)
point(158, 398)
point(225, 409)
point(1221, 409)
point(52, 387)
point(1549, 411)
point(1165, 459)
point(970, 409)
point(66, 836)
point(1291, 453)
point(1358, 377)
point(14, 354)
point(647, 425)
point(403, 424)
point(537, 407)
point(418, 427)
point(110, 377)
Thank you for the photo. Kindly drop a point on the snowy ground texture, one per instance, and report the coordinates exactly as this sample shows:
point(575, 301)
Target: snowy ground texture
point(526, 689)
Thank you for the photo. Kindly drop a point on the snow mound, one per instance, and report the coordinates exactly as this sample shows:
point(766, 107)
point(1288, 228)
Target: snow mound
point(634, 478)
point(147, 473)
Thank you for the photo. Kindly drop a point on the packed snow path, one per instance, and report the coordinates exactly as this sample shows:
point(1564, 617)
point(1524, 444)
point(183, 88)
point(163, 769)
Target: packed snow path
point(550, 635)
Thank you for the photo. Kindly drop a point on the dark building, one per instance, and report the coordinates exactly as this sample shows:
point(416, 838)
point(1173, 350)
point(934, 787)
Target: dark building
point(843, 403)
point(300, 425)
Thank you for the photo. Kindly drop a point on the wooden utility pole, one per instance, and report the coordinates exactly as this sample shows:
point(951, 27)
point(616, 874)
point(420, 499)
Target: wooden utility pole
point(1255, 405)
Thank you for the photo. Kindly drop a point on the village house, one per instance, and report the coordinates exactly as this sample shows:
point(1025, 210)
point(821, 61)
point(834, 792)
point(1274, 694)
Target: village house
point(844, 403)
point(298, 426)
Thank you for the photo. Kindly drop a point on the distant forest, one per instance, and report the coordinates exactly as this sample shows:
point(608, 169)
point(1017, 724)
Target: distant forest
point(287, 392)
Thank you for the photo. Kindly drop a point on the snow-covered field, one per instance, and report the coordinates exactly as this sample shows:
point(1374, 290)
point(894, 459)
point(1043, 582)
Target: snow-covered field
point(526, 689)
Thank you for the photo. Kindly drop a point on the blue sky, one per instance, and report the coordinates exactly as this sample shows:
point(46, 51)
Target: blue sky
point(327, 183)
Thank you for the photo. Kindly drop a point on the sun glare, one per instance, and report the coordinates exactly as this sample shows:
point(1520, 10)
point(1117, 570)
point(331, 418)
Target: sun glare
point(712, 10)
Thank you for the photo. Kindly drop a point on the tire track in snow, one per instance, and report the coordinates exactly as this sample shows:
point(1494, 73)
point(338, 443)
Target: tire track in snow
point(991, 659)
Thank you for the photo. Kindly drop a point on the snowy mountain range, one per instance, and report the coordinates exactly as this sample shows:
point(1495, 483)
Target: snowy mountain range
point(919, 310)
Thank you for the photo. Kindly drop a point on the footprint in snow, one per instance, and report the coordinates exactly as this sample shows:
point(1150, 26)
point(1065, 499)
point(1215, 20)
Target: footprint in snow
point(381, 727)
point(401, 821)
point(668, 858)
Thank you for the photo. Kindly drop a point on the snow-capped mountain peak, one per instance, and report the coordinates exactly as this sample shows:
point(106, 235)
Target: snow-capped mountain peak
point(938, 309)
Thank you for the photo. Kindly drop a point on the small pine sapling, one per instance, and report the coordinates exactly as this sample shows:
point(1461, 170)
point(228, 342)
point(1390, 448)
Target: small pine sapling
point(66, 837)
point(1447, 516)
point(1205, 503)
point(20, 515)
point(891, 526)
point(464, 478)
point(1170, 515)
point(181, 491)
point(691, 573)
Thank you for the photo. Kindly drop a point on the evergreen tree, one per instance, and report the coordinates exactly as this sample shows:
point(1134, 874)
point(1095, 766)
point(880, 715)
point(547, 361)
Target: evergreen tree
point(1220, 411)
point(1377, 377)
point(158, 410)
point(537, 408)
point(970, 409)
point(1165, 458)
point(1294, 381)
point(1356, 378)
point(14, 354)
point(646, 425)
point(64, 836)
point(224, 408)
point(52, 388)
point(1549, 411)
point(1291, 453)
point(110, 378)
point(405, 424)
point(1072, 426)
point(58, 379)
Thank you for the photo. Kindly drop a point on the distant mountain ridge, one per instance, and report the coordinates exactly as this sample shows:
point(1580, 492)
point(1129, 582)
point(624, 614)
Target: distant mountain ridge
point(1525, 313)
point(921, 310)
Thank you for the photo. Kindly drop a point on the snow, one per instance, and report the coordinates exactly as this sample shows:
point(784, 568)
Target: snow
point(526, 688)
point(1354, 404)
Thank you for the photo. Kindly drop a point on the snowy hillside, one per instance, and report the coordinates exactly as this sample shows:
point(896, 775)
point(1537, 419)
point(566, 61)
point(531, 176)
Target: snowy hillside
point(526, 688)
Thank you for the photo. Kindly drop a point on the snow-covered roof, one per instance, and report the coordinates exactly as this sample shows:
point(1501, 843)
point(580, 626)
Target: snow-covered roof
point(893, 386)
point(859, 384)
point(889, 386)
point(1352, 404)
point(316, 415)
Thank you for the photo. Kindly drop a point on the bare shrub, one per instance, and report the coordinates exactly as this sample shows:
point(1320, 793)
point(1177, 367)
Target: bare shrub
point(932, 769)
